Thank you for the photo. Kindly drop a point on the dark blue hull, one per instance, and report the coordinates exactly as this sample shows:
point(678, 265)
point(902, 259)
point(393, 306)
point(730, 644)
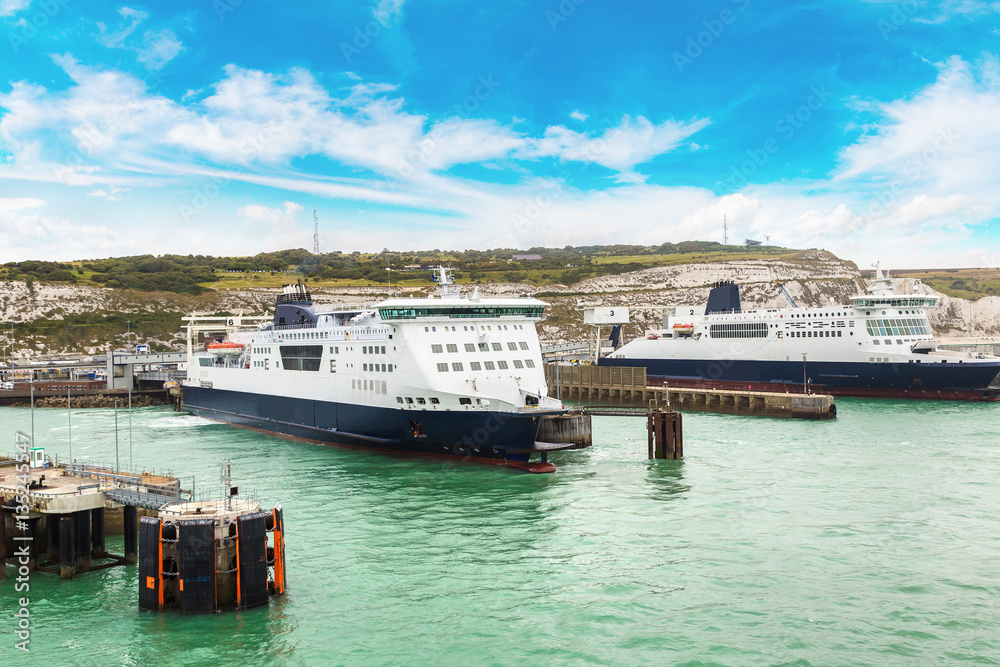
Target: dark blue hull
point(494, 437)
point(953, 380)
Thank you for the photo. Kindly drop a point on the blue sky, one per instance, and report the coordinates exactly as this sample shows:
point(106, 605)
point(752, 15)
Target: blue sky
point(870, 128)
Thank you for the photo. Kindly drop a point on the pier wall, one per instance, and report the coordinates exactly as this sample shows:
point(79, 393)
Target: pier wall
point(627, 386)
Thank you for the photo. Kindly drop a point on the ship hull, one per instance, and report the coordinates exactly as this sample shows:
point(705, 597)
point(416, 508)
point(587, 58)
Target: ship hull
point(482, 436)
point(948, 381)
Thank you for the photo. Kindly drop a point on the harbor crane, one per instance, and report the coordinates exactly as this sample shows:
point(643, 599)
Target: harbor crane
point(788, 296)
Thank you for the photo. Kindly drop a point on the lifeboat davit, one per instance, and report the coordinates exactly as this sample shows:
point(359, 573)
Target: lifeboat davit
point(226, 348)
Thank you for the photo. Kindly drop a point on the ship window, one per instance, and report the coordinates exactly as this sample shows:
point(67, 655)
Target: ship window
point(409, 401)
point(390, 367)
point(465, 401)
point(452, 347)
point(490, 366)
point(421, 400)
point(497, 347)
point(523, 345)
point(457, 366)
point(383, 349)
point(529, 363)
point(511, 345)
point(205, 361)
point(442, 368)
point(502, 365)
point(434, 401)
point(840, 334)
point(475, 366)
point(484, 347)
point(437, 349)
point(364, 349)
point(399, 399)
point(364, 367)
point(876, 341)
point(470, 347)
point(301, 357)
point(518, 363)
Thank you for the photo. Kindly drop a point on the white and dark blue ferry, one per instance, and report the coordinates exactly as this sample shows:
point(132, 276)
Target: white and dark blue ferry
point(445, 375)
point(880, 344)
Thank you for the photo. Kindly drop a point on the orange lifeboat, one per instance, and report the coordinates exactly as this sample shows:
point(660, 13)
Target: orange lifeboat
point(226, 348)
point(683, 329)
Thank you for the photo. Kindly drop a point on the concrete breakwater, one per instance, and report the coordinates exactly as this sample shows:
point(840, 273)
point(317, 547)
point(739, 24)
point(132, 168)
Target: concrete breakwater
point(86, 399)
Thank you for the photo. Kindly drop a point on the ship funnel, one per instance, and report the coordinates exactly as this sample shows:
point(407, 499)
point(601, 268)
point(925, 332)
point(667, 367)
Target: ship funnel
point(724, 298)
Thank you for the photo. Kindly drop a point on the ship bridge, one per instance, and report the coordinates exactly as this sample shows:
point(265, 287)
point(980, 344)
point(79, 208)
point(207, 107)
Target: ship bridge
point(894, 301)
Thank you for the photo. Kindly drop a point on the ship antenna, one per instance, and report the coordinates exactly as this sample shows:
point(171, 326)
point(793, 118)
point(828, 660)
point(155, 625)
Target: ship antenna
point(725, 230)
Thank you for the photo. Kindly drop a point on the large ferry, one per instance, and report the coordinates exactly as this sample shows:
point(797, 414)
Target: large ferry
point(446, 375)
point(880, 344)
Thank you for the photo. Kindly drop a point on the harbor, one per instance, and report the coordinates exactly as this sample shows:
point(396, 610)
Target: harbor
point(760, 517)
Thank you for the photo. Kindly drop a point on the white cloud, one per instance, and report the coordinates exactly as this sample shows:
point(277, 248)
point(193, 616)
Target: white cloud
point(112, 194)
point(280, 219)
point(578, 115)
point(11, 7)
point(631, 142)
point(387, 12)
point(115, 38)
point(158, 48)
point(9, 205)
point(940, 146)
point(30, 236)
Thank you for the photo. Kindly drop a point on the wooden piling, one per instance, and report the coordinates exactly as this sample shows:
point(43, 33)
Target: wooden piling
point(665, 435)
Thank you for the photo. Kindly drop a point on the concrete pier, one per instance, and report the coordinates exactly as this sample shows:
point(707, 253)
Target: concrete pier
point(83, 501)
point(626, 386)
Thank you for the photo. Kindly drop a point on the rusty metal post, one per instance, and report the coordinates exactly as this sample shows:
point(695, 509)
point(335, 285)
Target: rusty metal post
point(649, 433)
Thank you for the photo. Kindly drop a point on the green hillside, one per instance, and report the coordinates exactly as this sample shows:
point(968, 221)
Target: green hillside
point(195, 274)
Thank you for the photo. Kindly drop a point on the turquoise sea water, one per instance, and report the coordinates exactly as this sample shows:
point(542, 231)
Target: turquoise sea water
point(871, 539)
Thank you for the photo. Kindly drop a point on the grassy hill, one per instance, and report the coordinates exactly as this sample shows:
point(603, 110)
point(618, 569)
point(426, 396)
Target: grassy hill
point(962, 283)
point(196, 274)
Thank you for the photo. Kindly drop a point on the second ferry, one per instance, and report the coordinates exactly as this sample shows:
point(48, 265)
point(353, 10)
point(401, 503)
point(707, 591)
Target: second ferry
point(880, 344)
point(446, 376)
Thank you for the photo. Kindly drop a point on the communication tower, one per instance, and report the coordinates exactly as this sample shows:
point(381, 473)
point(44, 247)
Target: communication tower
point(315, 233)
